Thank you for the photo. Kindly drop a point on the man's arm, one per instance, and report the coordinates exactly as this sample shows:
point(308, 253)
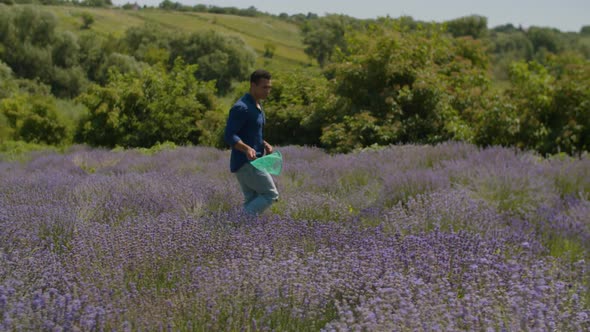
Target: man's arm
point(246, 149)
point(235, 121)
point(268, 148)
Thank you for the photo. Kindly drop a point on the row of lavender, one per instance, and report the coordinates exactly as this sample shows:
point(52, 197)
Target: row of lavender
point(449, 237)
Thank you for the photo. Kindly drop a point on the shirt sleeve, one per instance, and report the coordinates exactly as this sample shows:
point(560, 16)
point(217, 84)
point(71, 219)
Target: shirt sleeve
point(235, 121)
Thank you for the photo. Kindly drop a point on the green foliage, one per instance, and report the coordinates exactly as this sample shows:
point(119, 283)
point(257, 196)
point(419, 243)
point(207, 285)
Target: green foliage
point(140, 111)
point(511, 44)
point(68, 83)
point(531, 92)
point(509, 47)
point(570, 116)
point(120, 63)
point(20, 150)
point(96, 3)
point(545, 38)
point(570, 248)
point(148, 43)
point(65, 50)
point(354, 132)
point(35, 49)
point(33, 119)
point(515, 43)
point(396, 86)
point(295, 108)
point(498, 124)
point(505, 28)
point(87, 20)
point(385, 81)
point(269, 50)
point(158, 147)
point(474, 25)
point(6, 132)
point(220, 58)
point(94, 54)
point(211, 128)
point(26, 34)
point(324, 35)
point(7, 84)
point(546, 107)
point(169, 5)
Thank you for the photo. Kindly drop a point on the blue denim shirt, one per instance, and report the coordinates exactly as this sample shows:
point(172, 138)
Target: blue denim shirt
point(245, 123)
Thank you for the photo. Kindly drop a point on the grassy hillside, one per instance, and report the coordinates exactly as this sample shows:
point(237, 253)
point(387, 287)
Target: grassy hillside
point(255, 31)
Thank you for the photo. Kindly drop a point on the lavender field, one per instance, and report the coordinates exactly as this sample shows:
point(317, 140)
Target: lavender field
point(409, 238)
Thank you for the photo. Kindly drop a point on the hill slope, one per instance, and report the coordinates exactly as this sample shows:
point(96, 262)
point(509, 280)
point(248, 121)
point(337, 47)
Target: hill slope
point(255, 31)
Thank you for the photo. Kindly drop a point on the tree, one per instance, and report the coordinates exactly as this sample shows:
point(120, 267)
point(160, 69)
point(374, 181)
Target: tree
point(7, 84)
point(65, 51)
point(550, 105)
point(119, 63)
point(399, 86)
point(569, 118)
point(140, 111)
point(27, 33)
point(323, 35)
point(68, 83)
point(87, 20)
point(96, 3)
point(168, 5)
point(223, 59)
point(514, 45)
point(498, 124)
point(531, 92)
point(94, 51)
point(545, 39)
point(34, 119)
point(505, 28)
point(269, 50)
point(506, 48)
point(39, 51)
point(296, 108)
point(148, 43)
point(474, 25)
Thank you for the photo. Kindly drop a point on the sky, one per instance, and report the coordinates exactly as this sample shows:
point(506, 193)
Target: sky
point(565, 15)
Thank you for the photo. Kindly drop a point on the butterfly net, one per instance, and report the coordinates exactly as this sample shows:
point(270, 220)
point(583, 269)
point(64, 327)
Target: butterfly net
point(271, 163)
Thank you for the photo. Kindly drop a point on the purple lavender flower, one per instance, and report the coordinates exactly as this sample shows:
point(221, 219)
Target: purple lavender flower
point(447, 237)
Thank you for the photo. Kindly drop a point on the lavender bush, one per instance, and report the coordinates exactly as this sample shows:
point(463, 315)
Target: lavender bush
point(406, 238)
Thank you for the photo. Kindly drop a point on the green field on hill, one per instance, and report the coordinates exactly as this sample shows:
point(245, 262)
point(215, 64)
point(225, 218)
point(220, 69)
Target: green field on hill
point(257, 32)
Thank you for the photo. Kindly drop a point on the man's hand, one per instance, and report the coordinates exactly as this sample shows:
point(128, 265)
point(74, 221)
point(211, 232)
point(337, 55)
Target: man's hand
point(268, 148)
point(251, 154)
point(246, 149)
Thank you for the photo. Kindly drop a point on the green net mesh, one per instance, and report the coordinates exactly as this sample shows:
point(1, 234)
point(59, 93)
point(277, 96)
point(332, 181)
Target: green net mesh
point(271, 163)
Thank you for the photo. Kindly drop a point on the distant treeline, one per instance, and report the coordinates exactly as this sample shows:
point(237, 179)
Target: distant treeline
point(170, 5)
point(384, 81)
point(86, 3)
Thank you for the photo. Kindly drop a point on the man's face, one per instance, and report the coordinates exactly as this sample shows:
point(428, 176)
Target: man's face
point(261, 90)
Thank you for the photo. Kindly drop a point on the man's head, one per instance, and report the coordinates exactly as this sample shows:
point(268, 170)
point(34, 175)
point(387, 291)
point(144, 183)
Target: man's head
point(260, 84)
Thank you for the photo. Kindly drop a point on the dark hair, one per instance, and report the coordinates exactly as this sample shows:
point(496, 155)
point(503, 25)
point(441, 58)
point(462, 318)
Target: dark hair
point(258, 75)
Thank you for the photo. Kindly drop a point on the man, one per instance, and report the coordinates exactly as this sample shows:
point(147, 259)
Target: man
point(243, 132)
